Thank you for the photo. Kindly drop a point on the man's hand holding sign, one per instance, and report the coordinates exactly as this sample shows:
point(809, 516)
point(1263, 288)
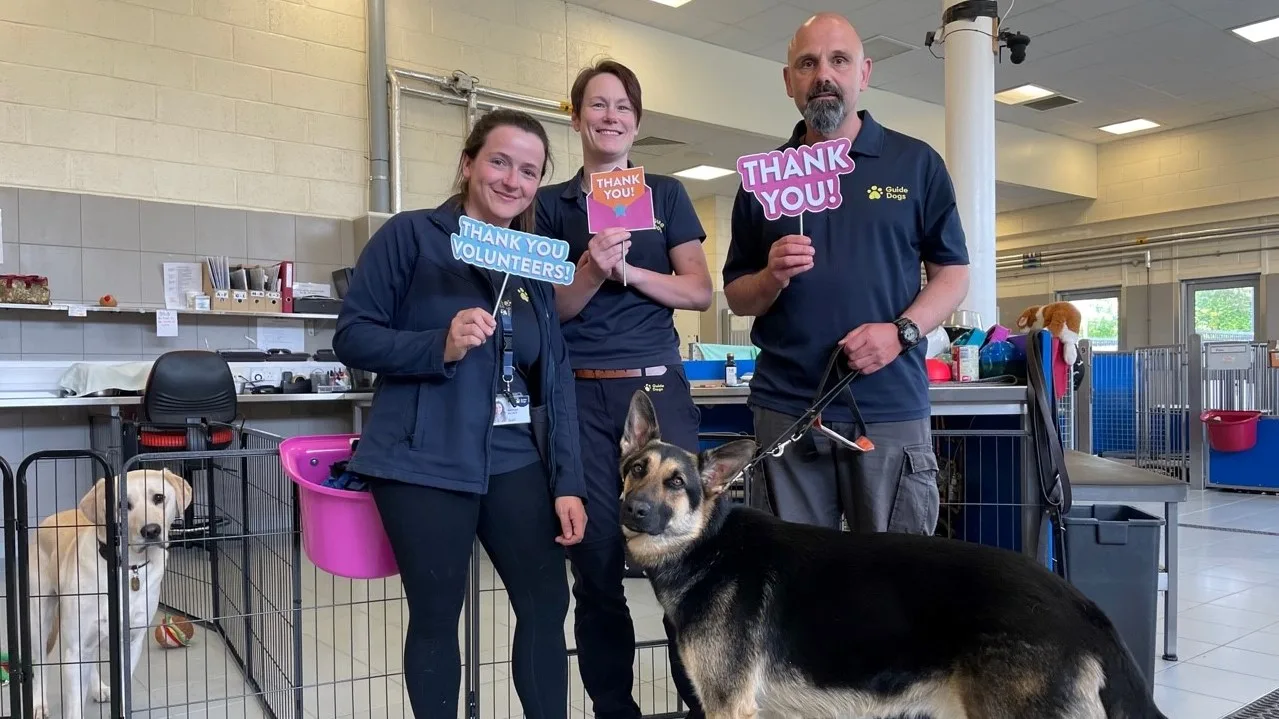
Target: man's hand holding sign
point(790, 183)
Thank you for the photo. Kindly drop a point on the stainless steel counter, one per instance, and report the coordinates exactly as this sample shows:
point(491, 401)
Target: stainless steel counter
point(947, 399)
point(58, 402)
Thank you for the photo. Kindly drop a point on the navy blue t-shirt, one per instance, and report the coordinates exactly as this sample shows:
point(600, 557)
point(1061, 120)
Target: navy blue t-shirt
point(513, 444)
point(898, 211)
point(622, 328)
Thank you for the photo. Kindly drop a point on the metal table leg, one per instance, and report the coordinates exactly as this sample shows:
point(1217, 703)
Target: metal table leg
point(1170, 596)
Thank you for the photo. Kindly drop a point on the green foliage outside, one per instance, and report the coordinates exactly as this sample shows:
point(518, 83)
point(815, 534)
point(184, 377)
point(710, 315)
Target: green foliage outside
point(1099, 318)
point(1224, 310)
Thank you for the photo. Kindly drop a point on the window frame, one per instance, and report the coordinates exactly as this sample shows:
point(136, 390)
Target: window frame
point(1101, 293)
point(1191, 286)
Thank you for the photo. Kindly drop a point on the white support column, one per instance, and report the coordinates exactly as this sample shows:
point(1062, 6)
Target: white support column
point(970, 49)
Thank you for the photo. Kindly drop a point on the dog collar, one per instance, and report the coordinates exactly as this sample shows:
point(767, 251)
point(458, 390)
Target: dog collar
point(135, 582)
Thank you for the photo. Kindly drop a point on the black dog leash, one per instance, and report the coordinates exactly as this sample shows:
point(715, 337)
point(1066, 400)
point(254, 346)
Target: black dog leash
point(812, 418)
point(1047, 458)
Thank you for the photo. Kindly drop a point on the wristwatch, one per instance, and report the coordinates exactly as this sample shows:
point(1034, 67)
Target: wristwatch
point(907, 332)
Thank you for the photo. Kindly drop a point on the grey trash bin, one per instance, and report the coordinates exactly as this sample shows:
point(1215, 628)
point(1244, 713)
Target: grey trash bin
point(1112, 556)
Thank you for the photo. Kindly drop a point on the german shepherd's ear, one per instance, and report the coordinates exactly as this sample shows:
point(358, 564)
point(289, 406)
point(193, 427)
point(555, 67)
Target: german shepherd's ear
point(181, 488)
point(641, 423)
point(94, 503)
point(720, 465)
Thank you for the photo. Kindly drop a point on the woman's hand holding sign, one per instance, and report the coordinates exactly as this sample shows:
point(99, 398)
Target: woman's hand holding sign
point(469, 329)
point(607, 252)
point(790, 256)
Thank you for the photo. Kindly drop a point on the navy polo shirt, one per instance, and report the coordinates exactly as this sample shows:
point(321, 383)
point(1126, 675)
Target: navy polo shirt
point(898, 211)
point(621, 327)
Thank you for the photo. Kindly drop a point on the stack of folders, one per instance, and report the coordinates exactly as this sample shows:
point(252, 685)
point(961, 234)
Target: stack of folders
point(249, 288)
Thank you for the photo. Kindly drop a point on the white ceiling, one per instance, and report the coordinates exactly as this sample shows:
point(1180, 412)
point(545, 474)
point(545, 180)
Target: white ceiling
point(1121, 59)
point(698, 143)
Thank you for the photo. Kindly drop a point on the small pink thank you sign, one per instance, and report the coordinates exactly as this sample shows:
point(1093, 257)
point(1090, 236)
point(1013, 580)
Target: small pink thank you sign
point(796, 180)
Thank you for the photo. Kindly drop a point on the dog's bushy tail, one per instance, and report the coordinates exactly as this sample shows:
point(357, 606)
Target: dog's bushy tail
point(1125, 694)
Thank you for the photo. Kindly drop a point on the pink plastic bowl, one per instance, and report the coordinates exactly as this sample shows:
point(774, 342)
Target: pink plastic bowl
point(341, 530)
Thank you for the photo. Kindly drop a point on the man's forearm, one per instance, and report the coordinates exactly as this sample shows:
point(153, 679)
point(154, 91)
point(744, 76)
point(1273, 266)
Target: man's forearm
point(752, 295)
point(946, 288)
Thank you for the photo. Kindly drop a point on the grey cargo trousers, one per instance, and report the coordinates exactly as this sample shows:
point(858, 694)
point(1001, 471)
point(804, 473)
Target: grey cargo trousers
point(816, 481)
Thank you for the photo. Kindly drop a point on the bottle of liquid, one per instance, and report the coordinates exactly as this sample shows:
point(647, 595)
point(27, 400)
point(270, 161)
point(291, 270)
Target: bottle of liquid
point(730, 372)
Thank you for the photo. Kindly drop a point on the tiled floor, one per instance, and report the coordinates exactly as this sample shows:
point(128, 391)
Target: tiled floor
point(1228, 618)
point(1228, 641)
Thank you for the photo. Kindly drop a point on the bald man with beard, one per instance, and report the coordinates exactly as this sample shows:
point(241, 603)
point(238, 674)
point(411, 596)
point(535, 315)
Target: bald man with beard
point(849, 282)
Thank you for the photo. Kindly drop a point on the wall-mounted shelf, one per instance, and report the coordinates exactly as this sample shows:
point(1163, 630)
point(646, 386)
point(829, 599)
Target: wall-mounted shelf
point(65, 307)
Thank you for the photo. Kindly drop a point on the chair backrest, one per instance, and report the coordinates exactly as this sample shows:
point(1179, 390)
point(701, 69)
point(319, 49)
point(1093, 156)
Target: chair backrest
point(189, 384)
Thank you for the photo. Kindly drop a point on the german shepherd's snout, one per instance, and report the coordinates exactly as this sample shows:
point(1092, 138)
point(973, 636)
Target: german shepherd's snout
point(807, 621)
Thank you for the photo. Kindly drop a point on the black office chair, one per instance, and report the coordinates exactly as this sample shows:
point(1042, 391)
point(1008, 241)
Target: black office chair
point(188, 405)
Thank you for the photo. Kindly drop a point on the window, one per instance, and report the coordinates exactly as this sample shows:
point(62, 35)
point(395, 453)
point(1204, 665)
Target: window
point(1221, 310)
point(1099, 316)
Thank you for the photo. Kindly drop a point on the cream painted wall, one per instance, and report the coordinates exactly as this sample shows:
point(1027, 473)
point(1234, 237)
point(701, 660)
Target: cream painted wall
point(1228, 169)
point(1214, 175)
point(261, 104)
point(246, 103)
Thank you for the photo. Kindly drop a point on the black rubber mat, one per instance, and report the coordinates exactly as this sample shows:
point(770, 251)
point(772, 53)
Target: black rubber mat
point(1266, 707)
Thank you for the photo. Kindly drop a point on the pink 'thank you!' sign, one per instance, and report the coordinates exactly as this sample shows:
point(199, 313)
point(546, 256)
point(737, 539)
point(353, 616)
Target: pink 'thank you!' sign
point(797, 180)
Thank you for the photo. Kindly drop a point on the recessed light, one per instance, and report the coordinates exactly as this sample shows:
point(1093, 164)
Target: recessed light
point(1123, 128)
point(704, 172)
point(672, 3)
point(1259, 31)
point(1025, 93)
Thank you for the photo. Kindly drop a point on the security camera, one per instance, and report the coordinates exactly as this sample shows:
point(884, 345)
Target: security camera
point(1016, 44)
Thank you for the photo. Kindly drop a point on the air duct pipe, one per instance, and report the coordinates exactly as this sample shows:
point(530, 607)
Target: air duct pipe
point(379, 142)
point(1055, 258)
point(460, 90)
point(1211, 233)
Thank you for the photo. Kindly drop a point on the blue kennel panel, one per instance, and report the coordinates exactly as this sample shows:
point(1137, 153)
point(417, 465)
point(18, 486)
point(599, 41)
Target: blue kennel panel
point(1252, 468)
point(1114, 404)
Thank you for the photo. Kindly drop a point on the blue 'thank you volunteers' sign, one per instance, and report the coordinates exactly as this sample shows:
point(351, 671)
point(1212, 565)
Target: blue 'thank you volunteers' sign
point(518, 253)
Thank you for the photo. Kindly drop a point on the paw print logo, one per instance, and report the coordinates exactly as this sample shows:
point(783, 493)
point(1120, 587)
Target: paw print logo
point(874, 192)
point(523, 294)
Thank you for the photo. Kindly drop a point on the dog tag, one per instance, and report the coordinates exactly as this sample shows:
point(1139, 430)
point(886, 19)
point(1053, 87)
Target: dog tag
point(511, 409)
point(134, 583)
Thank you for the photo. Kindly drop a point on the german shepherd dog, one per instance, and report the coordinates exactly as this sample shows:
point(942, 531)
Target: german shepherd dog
point(811, 622)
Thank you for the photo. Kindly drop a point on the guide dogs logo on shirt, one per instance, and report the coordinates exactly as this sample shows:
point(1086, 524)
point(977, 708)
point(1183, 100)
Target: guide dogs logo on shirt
point(891, 192)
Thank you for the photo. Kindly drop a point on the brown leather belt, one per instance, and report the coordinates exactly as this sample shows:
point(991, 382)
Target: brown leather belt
point(619, 373)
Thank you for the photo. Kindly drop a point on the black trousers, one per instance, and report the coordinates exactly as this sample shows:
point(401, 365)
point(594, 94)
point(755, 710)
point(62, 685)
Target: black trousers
point(602, 622)
point(432, 532)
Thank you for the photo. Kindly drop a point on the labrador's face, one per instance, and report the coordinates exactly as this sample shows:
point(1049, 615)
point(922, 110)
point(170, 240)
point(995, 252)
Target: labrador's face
point(153, 499)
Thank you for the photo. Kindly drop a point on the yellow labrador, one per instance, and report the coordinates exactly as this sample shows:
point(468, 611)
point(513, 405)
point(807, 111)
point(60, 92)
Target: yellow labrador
point(69, 582)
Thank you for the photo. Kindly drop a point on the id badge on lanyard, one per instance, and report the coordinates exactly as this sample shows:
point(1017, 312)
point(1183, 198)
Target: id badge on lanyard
point(510, 407)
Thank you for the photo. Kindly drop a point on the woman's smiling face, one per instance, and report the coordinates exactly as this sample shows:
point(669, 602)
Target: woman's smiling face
point(504, 176)
point(606, 120)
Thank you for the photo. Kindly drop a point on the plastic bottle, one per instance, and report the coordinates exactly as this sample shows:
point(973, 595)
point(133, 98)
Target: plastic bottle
point(730, 372)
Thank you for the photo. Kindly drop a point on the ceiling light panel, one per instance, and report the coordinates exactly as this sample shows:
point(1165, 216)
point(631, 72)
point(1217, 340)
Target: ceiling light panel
point(1023, 93)
point(1123, 128)
point(672, 3)
point(704, 172)
point(1259, 31)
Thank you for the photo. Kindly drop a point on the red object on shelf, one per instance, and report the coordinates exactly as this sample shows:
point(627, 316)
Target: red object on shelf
point(1231, 430)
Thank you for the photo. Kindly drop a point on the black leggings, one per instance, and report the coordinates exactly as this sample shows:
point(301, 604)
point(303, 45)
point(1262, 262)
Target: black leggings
point(432, 532)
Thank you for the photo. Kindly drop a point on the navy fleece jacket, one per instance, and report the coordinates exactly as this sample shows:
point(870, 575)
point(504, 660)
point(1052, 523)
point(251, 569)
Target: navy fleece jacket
point(431, 420)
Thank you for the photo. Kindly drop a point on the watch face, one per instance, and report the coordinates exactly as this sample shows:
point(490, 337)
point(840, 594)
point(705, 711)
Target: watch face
point(910, 333)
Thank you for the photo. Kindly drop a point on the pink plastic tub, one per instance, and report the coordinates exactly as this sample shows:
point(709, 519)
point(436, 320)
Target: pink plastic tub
point(341, 530)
